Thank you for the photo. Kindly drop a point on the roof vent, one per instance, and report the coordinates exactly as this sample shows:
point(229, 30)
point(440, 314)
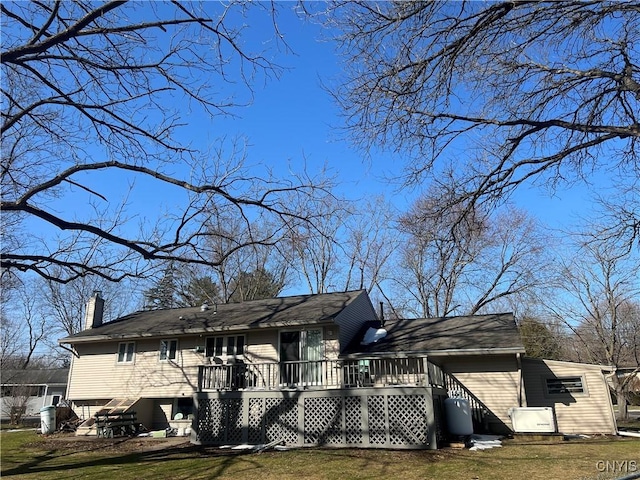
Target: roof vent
point(204, 307)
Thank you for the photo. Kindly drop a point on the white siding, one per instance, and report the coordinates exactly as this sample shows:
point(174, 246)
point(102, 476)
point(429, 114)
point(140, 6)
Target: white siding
point(331, 348)
point(588, 412)
point(494, 380)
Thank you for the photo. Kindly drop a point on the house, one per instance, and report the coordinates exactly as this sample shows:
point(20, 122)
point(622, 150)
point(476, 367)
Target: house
point(480, 354)
point(256, 371)
point(26, 391)
point(578, 393)
point(483, 360)
point(304, 370)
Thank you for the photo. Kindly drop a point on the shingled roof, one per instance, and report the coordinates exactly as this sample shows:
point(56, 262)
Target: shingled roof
point(440, 336)
point(268, 313)
point(35, 376)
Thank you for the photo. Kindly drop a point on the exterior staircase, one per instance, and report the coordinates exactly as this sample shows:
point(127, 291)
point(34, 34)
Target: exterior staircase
point(116, 405)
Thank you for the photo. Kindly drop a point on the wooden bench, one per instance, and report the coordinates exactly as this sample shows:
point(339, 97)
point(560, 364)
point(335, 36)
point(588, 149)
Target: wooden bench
point(109, 425)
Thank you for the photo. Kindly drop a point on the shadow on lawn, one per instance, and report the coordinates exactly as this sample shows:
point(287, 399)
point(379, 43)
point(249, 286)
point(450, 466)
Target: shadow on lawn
point(177, 460)
point(38, 464)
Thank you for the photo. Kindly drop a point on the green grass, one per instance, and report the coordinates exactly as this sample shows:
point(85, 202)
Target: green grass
point(27, 455)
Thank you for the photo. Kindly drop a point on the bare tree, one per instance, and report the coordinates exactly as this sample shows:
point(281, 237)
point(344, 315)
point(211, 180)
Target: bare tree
point(246, 254)
point(66, 302)
point(316, 250)
point(23, 329)
point(101, 90)
point(619, 213)
point(464, 260)
point(600, 287)
point(432, 259)
point(15, 399)
point(370, 243)
point(532, 91)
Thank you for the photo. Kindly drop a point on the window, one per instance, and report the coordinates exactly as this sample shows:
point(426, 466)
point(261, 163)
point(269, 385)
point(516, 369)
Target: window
point(557, 386)
point(125, 352)
point(184, 406)
point(168, 349)
point(231, 346)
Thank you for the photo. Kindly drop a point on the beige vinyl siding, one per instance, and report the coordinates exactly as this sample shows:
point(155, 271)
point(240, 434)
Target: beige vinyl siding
point(494, 380)
point(588, 412)
point(97, 374)
point(351, 319)
point(262, 346)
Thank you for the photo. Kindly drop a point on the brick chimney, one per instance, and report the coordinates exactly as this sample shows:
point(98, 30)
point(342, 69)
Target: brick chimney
point(94, 311)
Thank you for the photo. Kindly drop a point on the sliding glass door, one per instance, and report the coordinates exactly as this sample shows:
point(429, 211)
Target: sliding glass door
point(301, 354)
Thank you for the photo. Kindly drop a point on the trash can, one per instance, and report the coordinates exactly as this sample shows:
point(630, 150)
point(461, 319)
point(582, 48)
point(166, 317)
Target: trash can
point(48, 419)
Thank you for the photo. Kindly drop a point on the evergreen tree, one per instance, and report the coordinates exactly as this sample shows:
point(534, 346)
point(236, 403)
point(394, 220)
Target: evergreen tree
point(199, 290)
point(163, 294)
point(538, 340)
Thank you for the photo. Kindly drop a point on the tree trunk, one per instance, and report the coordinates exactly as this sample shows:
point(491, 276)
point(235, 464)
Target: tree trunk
point(621, 397)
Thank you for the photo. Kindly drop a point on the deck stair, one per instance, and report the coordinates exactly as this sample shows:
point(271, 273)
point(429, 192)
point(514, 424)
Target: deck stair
point(115, 406)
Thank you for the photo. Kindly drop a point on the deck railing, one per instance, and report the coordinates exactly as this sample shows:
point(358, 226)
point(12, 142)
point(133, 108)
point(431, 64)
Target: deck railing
point(478, 410)
point(346, 373)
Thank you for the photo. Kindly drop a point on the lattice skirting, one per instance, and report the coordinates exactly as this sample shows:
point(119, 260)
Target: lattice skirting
point(365, 418)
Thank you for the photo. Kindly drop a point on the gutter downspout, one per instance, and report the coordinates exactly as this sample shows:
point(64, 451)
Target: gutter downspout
point(613, 372)
point(46, 392)
point(520, 378)
point(68, 387)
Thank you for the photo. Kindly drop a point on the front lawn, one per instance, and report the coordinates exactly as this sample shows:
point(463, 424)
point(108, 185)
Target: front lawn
point(28, 455)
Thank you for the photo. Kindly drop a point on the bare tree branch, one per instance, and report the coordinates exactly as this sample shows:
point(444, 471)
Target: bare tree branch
point(529, 90)
point(86, 81)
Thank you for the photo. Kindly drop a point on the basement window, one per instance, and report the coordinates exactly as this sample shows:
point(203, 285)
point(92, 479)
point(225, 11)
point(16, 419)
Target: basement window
point(564, 385)
point(126, 351)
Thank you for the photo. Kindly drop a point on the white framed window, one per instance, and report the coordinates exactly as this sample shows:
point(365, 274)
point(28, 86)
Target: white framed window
point(168, 350)
point(565, 385)
point(126, 351)
point(230, 346)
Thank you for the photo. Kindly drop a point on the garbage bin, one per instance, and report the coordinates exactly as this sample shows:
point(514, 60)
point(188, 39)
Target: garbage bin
point(48, 419)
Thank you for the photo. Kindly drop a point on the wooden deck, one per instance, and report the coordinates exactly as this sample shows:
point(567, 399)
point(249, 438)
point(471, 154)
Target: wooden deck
point(321, 374)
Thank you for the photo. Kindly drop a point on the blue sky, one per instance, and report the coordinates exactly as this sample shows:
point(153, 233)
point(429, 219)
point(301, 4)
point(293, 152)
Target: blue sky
point(293, 122)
